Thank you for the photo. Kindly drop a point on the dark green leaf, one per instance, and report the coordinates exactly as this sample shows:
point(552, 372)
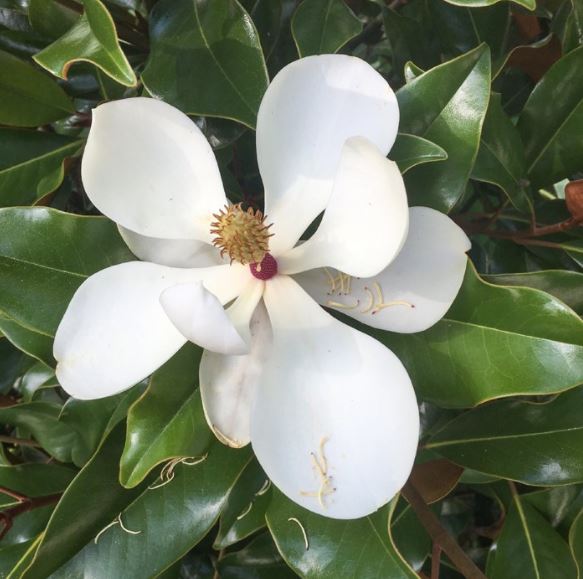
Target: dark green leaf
point(28, 97)
point(93, 38)
point(447, 106)
point(31, 164)
point(41, 419)
point(244, 513)
point(534, 443)
point(551, 122)
point(92, 500)
point(170, 520)
point(50, 253)
point(409, 151)
point(410, 40)
point(494, 342)
point(367, 547)
point(168, 420)
point(199, 68)
point(258, 560)
point(266, 15)
point(409, 536)
point(564, 285)
point(36, 480)
point(323, 26)
point(529, 547)
point(460, 29)
point(576, 542)
point(50, 18)
point(34, 343)
point(501, 159)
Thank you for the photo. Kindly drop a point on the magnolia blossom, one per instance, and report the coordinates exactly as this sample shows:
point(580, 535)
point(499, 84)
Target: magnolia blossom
point(330, 411)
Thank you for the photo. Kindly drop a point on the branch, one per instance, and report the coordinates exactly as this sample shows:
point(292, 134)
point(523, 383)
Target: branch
point(20, 441)
point(439, 535)
point(24, 505)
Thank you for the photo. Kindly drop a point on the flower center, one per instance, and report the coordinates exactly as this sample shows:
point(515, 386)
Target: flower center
point(265, 269)
point(242, 235)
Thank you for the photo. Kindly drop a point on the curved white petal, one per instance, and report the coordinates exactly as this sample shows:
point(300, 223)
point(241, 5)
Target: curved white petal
point(171, 252)
point(200, 317)
point(228, 384)
point(115, 332)
point(335, 424)
point(148, 167)
point(309, 110)
point(427, 274)
point(365, 223)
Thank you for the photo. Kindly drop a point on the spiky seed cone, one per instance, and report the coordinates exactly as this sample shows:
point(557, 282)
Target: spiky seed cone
point(240, 234)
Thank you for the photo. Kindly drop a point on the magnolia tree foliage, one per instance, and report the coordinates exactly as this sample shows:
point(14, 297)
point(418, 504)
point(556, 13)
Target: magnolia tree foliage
point(291, 288)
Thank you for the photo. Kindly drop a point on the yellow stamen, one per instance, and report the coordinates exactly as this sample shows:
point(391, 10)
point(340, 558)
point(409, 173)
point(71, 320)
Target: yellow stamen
point(371, 304)
point(242, 235)
point(333, 304)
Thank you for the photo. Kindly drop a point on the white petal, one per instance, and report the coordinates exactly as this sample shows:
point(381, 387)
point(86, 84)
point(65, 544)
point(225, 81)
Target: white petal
point(366, 221)
point(115, 332)
point(336, 394)
point(309, 110)
point(171, 252)
point(427, 274)
point(228, 384)
point(148, 167)
point(200, 317)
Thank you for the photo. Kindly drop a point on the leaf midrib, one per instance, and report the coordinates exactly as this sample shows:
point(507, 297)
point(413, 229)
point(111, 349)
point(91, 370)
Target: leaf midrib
point(440, 444)
point(40, 158)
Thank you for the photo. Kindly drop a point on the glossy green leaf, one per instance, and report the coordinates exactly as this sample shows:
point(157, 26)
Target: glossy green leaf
point(555, 503)
point(170, 520)
point(93, 499)
point(31, 164)
point(534, 443)
point(36, 480)
point(447, 106)
point(36, 378)
point(41, 419)
point(409, 151)
point(551, 122)
point(168, 420)
point(460, 29)
point(409, 536)
point(266, 15)
point(410, 40)
point(493, 342)
point(89, 419)
point(564, 285)
point(529, 4)
point(10, 555)
point(34, 343)
point(50, 253)
point(28, 97)
point(93, 38)
point(529, 547)
point(244, 513)
point(323, 26)
point(367, 547)
point(50, 18)
point(257, 560)
point(501, 160)
point(576, 542)
point(206, 59)
point(12, 365)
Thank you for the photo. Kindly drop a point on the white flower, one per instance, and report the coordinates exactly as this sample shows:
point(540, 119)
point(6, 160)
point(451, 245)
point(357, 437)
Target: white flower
point(330, 411)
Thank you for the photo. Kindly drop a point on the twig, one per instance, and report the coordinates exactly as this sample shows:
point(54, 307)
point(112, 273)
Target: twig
point(439, 535)
point(435, 560)
point(25, 504)
point(20, 441)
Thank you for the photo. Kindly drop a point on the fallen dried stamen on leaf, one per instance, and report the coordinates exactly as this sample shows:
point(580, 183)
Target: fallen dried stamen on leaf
point(125, 528)
point(266, 486)
point(305, 535)
point(245, 512)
